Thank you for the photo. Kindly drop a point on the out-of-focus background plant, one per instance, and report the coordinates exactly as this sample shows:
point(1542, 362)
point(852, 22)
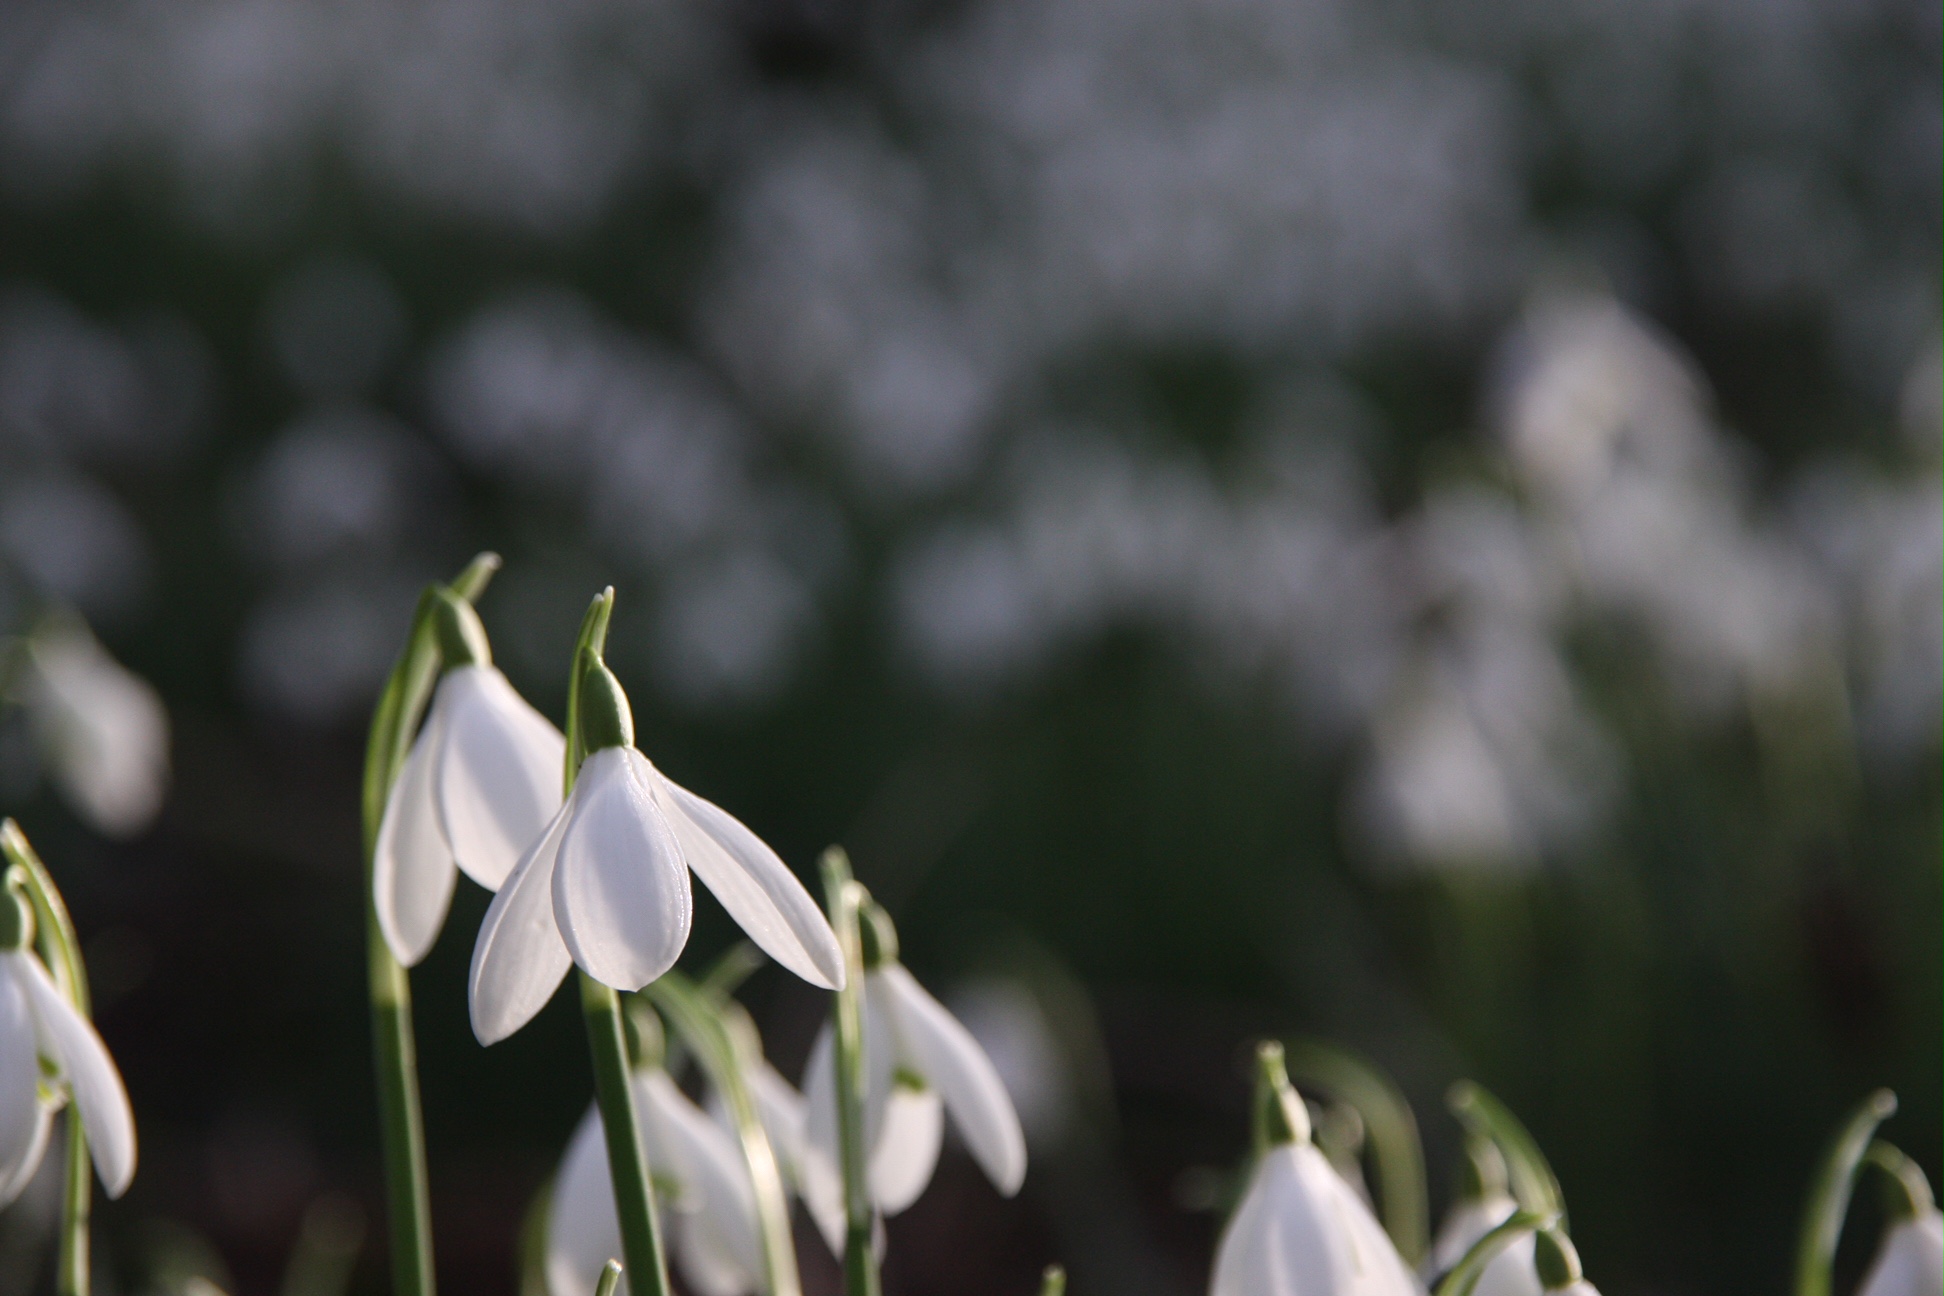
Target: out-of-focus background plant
point(1415, 523)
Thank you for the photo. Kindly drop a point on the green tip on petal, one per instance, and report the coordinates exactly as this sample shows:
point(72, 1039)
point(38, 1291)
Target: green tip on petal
point(1555, 1260)
point(462, 639)
point(16, 921)
point(1281, 1117)
point(606, 720)
point(877, 937)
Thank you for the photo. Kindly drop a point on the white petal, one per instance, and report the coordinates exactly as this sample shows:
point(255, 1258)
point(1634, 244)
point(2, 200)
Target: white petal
point(780, 1109)
point(1910, 1262)
point(818, 1166)
point(90, 1072)
point(583, 1233)
point(519, 959)
point(946, 1055)
point(1510, 1273)
point(906, 1152)
point(621, 892)
point(1248, 1262)
point(709, 1165)
point(412, 874)
point(756, 887)
point(1464, 1224)
point(24, 1119)
point(499, 774)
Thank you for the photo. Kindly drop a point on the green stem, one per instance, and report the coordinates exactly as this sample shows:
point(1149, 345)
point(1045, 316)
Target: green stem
point(634, 1194)
point(1394, 1142)
point(700, 1017)
point(60, 951)
point(401, 1126)
point(1464, 1275)
point(1829, 1197)
point(610, 1279)
point(842, 896)
point(1533, 1183)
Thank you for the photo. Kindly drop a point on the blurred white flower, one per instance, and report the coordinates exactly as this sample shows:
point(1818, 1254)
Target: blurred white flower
point(702, 1187)
point(1910, 1259)
point(479, 786)
point(919, 1063)
point(103, 728)
point(606, 886)
point(1300, 1230)
point(40, 1028)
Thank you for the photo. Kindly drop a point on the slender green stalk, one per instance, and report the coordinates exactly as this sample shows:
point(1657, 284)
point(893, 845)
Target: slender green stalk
point(60, 952)
point(1829, 1196)
point(1534, 1185)
point(704, 1023)
point(607, 1038)
point(843, 897)
point(401, 1125)
point(1910, 1192)
point(610, 1279)
point(1464, 1275)
point(1395, 1145)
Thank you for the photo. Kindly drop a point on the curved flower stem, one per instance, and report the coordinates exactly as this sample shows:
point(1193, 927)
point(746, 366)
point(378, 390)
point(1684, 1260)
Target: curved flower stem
point(401, 1127)
point(1533, 1182)
point(842, 896)
point(1394, 1141)
point(61, 952)
point(700, 1017)
point(1829, 1196)
point(1464, 1275)
point(607, 1038)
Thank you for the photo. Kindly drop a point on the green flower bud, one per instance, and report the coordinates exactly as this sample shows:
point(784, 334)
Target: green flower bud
point(606, 720)
point(1555, 1259)
point(16, 921)
point(877, 939)
point(462, 639)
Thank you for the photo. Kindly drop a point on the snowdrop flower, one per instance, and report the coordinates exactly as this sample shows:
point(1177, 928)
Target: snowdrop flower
point(1910, 1259)
point(606, 886)
point(477, 788)
point(1483, 1204)
point(1300, 1230)
point(701, 1183)
point(42, 1035)
point(103, 728)
point(919, 1063)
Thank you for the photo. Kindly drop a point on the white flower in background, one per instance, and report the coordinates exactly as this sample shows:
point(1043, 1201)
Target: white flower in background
point(477, 788)
point(45, 1043)
point(1482, 1206)
point(919, 1063)
point(607, 885)
point(103, 728)
point(1300, 1229)
point(702, 1187)
point(1910, 1261)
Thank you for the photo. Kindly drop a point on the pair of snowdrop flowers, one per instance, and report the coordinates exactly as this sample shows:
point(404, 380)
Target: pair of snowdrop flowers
point(47, 1046)
point(598, 878)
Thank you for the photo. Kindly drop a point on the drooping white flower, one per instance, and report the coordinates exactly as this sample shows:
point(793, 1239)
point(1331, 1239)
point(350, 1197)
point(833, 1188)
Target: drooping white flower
point(1300, 1229)
point(479, 785)
point(606, 886)
point(41, 1032)
point(919, 1064)
point(1481, 1207)
point(1910, 1259)
point(103, 728)
point(701, 1183)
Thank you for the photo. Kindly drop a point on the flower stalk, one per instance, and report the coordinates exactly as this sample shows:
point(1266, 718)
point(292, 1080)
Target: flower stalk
point(60, 951)
point(394, 1047)
point(1829, 1197)
point(643, 1254)
point(844, 897)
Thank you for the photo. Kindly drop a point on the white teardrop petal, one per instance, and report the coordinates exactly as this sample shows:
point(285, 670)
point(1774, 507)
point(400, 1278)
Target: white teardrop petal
point(1910, 1260)
point(519, 958)
point(711, 1170)
point(412, 874)
point(583, 1232)
point(952, 1061)
point(621, 891)
point(756, 887)
point(818, 1165)
point(24, 1119)
point(906, 1151)
point(1464, 1224)
point(90, 1073)
point(498, 779)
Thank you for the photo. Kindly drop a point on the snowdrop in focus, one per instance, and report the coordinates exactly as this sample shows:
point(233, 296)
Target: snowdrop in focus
point(1300, 1230)
point(43, 1035)
point(478, 787)
point(606, 886)
point(708, 1204)
point(919, 1063)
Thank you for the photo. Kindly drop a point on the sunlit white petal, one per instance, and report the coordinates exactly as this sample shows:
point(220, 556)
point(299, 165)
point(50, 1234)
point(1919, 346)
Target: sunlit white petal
point(499, 773)
point(583, 1233)
point(24, 1119)
point(906, 1151)
point(946, 1055)
point(780, 1108)
point(720, 1228)
point(621, 891)
point(519, 959)
point(412, 873)
point(90, 1073)
point(756, 887)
